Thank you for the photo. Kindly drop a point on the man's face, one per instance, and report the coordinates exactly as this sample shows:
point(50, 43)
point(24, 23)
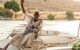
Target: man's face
point(36, 16)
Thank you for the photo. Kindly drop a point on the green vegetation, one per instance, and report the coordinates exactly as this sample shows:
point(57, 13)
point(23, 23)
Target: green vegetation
point(76, 46)
point(69, 15)
point(5, 13)
point(51, 17)
point(12, 5)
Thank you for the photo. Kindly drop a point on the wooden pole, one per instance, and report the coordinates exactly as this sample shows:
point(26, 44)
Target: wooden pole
point(78, 30)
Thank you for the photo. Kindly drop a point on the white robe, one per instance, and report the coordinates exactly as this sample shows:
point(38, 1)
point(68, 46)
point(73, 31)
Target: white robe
point(20, 39)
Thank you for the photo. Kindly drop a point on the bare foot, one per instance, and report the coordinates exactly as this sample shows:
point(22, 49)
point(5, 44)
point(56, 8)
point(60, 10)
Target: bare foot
point(2, 49)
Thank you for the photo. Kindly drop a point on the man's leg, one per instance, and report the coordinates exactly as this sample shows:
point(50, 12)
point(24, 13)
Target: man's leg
point(5, 48)
point(36, 34)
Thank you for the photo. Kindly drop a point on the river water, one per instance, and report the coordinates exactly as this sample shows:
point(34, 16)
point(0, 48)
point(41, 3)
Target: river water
point(6, 27)
point(69, 27)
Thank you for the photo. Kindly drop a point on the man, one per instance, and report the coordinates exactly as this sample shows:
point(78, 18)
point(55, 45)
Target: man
point(32, 28)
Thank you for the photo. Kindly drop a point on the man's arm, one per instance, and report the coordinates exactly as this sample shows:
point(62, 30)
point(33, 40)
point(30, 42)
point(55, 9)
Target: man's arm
point(22, 2)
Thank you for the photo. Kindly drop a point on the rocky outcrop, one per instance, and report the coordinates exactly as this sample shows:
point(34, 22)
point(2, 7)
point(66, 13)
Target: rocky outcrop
point(56, 5)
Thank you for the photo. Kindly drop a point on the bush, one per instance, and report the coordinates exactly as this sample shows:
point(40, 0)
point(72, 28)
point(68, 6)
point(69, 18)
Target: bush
point(8, 5)
point(5, 13)
point(69, 15)
point(12, 5)
point(8, 13)
point(76, 46)
point(51, 17)
point(1, 9)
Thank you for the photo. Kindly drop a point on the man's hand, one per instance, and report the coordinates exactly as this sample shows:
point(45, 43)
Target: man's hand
point(22, 1)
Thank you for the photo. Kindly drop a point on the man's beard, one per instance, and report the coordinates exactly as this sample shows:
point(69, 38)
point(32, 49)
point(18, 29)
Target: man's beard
point(35, 19)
